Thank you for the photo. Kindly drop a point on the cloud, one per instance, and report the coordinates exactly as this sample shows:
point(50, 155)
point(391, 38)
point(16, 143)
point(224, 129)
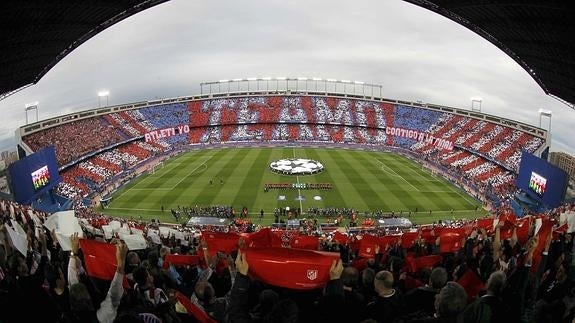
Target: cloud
point(168, 50)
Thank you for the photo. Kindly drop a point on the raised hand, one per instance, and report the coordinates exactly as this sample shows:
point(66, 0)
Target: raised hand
point(241, 263)
point(121, 251)
point(335, 269)
point(75, 241)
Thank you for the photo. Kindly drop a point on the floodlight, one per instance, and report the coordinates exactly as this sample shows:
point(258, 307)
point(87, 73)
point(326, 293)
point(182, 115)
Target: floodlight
point(31, 104)
point(103, 93)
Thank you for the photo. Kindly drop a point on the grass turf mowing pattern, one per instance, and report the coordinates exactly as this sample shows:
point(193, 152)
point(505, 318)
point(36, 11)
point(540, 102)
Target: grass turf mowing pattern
point(362, 180)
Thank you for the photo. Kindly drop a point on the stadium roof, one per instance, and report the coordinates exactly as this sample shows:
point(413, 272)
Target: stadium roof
point(37, 34)
point(537, 34)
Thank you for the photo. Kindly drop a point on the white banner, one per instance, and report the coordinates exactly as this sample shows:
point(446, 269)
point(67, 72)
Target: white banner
point(19, 241)
point(134, 241)
point(64, 224)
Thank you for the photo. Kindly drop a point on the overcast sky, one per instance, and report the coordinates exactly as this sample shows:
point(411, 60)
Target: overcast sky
point(168, 50)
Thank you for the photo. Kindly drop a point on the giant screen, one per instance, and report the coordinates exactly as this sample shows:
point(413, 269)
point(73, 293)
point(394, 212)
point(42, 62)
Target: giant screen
point(541, 180)
point(33, 175)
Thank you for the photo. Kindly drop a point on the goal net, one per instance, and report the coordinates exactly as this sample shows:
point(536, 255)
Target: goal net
point(157, 166)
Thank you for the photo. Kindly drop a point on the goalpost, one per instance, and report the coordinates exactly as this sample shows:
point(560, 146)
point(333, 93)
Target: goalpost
point(159, 165)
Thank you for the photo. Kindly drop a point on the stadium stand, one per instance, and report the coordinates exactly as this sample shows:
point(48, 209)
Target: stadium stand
point(472, 254)
point(485, 152)
point(468, 270)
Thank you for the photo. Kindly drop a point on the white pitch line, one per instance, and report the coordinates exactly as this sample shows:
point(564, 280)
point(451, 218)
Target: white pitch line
point(465, 198)
point(298, 189)
point(408, 183)
point(192, 171)
point(166, 189)
point(419, 171)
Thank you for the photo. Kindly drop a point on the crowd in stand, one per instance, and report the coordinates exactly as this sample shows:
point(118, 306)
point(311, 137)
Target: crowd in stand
point(499, 269)
point(76, 139)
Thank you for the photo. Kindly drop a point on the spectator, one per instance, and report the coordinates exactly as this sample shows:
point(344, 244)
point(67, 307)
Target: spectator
point(489, 307)
point(422, 299)
point(388, 304)
point(83, 309)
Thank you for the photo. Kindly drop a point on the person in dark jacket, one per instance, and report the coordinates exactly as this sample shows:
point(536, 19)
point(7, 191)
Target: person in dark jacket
point(388, 304)
point(489, 307)
point(422, 299)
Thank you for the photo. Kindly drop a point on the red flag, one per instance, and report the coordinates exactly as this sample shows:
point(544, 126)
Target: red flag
point(221, 241)
point(283, 238)
point(449, 242)
point(428, 235)
point(99, 258)
point(508, 219)
point(180, 260)
point(193, 309)
point(408, 239)
point(291, 268)
point(471, 283)
point(560, 230)
point(340, 238)
point(367, 245)
point(305, 242)
point(543, 227)
point(523, 226)
point(410, 265)
point(260, 239)
point(486, 224)
point(427, 261)
point(388, 240)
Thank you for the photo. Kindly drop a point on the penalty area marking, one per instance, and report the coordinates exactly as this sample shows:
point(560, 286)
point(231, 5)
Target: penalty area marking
point(451, 189)
point(203, 164)
point(382, 165)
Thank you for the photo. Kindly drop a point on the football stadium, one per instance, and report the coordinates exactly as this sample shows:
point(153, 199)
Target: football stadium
point(289, 199)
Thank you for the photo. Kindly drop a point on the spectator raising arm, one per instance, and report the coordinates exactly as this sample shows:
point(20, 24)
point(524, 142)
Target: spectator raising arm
point(109, 307)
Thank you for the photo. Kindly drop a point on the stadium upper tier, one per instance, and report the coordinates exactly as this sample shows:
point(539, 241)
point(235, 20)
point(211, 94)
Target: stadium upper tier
point(107, 141)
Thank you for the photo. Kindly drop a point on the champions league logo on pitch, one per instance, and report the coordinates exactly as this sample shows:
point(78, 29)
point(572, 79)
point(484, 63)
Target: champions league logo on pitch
point(296, 166)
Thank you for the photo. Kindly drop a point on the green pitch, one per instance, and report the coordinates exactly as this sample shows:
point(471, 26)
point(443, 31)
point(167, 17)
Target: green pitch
point(236, 176)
